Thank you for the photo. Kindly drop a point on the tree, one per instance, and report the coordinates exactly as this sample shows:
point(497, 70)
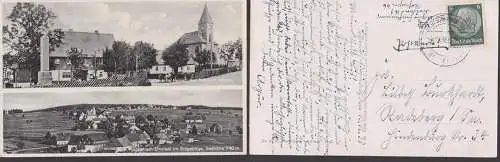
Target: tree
point(121, 130)
point(165, 121)
point(150, 117)
point(27, 23)
point(202, 57)
point(53, 140)
point(237, 49)
point(76, 59)
point(175, 56)
point(194, 130)
point(239, 129)
point(116, 59)
point(140, 119)
point(226, 52)
point(47, 136)
point(145, 55)
point(9, 62)
point(108, 58)
point(20, 145)
point(232, 50)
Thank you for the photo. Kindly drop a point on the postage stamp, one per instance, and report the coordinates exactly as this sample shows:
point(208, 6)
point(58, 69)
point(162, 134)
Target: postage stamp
point(466, 24)
point(439, 50)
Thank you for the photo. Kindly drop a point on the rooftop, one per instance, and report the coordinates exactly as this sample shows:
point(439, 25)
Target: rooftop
point(191, 38)
point(205, 16)
point(120, 142)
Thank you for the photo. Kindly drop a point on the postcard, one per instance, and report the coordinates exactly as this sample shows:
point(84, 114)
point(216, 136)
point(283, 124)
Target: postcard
point(123, 78)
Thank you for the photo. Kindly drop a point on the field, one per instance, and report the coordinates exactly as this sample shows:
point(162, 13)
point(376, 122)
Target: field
point(30, 127)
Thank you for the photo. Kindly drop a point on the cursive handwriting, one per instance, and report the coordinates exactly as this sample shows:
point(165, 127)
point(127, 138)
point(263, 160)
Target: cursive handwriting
point(313, 75)
point(453, 92)
point(402, 11)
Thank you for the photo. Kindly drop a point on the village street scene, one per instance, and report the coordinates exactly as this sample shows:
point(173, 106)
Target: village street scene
point(105, 122)
point(96, 44)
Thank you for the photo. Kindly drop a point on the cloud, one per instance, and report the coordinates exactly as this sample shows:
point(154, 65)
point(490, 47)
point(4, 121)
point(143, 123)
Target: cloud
point(160, 23)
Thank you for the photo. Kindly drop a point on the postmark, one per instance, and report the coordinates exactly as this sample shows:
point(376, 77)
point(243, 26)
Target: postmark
point(434, 29)
point(466, 24)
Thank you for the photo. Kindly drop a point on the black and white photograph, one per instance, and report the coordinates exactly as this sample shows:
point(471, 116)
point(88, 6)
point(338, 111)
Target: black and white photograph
point(125, 43)
point(116, 123)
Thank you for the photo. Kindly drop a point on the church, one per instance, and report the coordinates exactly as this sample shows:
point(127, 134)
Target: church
point(202, 39)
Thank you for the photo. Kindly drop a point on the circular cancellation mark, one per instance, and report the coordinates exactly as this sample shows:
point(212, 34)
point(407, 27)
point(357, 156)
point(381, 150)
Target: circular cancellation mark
point(434, 31)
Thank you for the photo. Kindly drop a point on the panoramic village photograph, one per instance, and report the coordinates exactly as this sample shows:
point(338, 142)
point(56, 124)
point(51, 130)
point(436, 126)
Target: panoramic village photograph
point(65, 123)
point(97, 44)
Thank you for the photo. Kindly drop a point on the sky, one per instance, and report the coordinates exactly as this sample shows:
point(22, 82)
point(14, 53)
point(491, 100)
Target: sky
point(41, 100)
point(160, 23)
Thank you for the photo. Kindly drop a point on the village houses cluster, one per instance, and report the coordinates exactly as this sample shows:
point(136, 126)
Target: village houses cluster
point(99, 131)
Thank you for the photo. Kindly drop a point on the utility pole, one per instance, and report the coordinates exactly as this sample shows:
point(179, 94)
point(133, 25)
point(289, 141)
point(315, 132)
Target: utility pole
point(136, 62)
point(95, 64)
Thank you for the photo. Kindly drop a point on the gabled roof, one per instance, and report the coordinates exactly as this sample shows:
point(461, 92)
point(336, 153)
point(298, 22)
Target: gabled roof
point(161, 136)
point(94, 137)
point(205, 16)
point(134, 137)
point(191, 61)
point(134, 128)
point(119, 142)
point(191, 38)
point(193, 117)
point(90, 42)
point(63, 136)
point(201, 126)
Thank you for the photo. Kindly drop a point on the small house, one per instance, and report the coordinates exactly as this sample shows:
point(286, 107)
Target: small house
point(122, 144)
point(215, 128)
point(63, 138)
point(137, 139)
point(134, 129)
point(162, 138)
point(193, 119)
point(89, 142)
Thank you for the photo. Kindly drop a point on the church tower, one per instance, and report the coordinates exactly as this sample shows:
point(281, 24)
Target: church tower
point(206, 25)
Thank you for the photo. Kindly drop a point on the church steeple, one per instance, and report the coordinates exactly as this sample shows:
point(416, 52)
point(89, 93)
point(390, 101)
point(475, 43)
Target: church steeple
point(205, 16)
point(206, 25)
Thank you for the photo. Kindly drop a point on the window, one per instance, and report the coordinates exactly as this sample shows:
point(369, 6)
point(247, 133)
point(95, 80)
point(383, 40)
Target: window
point(86, 62)
point(100, 74)
point(156, 68)
point(197, 50)
point(66, 74)
point(164, 68)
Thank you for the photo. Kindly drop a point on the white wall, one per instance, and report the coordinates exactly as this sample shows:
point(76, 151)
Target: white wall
point(57, 75)
point(187, 69)
point(101, 74)
point(160, 69)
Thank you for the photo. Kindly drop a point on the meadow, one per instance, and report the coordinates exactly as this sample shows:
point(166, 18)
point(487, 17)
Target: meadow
point(30, 127)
